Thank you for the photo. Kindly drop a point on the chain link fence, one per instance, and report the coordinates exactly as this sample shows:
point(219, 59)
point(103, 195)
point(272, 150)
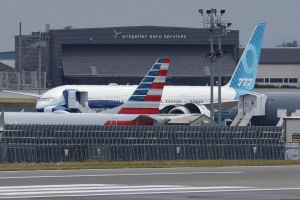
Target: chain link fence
point(14, 81)
point(46, 143)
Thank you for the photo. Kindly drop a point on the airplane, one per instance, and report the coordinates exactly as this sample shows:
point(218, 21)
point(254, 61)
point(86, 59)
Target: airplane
point(175, 99)
point(141, 108)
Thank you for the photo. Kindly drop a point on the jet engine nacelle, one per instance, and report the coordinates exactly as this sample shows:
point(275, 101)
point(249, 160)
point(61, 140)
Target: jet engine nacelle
point(188, 108)
point(61, 112)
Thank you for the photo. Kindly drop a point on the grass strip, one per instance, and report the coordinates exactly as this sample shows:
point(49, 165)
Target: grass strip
point(17, 100)
point(143, 164)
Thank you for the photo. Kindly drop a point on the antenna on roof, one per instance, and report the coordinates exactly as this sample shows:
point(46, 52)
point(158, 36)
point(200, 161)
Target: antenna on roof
point(67, 27)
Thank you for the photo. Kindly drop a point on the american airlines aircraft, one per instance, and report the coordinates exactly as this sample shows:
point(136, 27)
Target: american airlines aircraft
point(175, 99)
point(141, 108)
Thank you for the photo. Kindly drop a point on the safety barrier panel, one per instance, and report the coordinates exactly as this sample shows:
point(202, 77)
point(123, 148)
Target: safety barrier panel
point(28, 80)
point(48, 143)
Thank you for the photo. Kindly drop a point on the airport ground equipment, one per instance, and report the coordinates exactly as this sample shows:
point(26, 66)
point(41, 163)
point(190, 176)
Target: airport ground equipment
point(77, 100)
point(291, 137)
point(266, 109)
point(249, 105)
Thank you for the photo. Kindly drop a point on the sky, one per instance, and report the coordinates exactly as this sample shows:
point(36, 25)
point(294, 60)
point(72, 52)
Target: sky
point(281, 16)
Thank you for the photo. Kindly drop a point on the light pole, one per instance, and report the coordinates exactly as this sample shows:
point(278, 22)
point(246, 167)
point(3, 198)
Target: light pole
point(214, 23)
point(209, 21)
point(20, 57)
point(224, 28)
point(39, 37)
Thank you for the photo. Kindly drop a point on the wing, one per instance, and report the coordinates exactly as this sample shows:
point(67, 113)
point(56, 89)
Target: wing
point(23, 93)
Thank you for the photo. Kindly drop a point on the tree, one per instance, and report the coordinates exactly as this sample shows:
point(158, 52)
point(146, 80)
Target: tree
point(289, 44)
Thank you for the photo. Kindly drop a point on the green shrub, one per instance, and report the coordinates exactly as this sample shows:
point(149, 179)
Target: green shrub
point(288, 86)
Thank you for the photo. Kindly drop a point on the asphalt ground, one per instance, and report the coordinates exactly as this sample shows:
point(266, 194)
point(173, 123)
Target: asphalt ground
point(279, 182)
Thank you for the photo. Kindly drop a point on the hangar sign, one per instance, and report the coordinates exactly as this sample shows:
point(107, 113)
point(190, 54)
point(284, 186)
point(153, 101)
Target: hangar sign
point(120, 35)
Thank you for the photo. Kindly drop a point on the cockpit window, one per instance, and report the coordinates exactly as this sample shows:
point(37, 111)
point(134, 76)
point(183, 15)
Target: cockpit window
point(51, 99)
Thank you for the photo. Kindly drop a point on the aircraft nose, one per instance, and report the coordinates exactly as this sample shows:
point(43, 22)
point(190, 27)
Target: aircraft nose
point(40, 105)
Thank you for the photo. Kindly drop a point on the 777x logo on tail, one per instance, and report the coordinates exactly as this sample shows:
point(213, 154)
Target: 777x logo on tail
point(244, 76)
point(245, 82)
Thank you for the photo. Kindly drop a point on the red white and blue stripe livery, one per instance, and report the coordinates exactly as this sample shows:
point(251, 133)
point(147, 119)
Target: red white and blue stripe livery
point(146, 98)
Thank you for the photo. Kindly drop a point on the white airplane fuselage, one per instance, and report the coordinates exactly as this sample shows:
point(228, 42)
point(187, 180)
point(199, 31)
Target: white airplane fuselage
point(66, 118)
point(105, 94)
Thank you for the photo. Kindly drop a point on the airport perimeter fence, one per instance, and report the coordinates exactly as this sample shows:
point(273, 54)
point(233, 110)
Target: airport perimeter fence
point(45, 143)
point(16, 81)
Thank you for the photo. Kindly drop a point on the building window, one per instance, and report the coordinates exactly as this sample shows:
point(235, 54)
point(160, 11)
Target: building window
point(267, 80)
point(293, 80)
point(259, 80)
point(280, 80)
point(286, 80)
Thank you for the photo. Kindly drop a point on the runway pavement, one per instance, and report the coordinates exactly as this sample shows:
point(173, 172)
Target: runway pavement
point(177, 183)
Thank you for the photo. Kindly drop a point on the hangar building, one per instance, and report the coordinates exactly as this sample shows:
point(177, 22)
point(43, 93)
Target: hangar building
point(279, 67)
point(123, 55)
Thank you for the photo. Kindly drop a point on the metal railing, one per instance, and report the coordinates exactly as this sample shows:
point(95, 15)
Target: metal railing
point(45, 143)
point(28, 80)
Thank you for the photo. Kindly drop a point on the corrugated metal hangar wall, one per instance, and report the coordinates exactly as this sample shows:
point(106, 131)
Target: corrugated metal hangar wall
point(124, 54)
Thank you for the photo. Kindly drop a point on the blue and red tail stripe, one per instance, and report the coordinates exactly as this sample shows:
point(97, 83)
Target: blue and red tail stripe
point(158, 73)
point(148, 79)
point(157, 85)
point(163, 60)
point(155, 98)
point(147, 96)
point(162, 73)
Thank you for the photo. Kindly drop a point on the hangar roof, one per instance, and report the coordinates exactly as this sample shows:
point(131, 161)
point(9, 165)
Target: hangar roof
point(7, 55)
point(139, 35)
point(7, 61)
point(279, 55)
point(7, 65)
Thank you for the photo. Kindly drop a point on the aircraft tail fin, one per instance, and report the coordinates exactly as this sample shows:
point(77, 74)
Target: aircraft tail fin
point(147, 96)
point(244, 76)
